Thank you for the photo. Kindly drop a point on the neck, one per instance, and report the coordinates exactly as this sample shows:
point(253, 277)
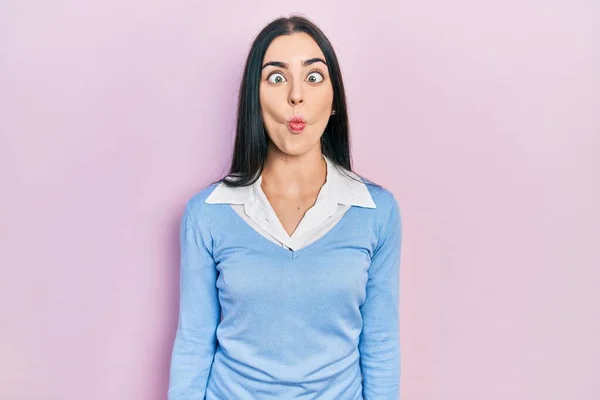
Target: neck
point(294, 174)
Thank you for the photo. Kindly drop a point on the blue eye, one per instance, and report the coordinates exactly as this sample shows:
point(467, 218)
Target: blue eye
point(315, 74)
point(280, 78)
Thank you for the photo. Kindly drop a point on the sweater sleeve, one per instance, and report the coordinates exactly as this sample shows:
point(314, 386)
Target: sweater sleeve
point(379, 344)
point(199, 314)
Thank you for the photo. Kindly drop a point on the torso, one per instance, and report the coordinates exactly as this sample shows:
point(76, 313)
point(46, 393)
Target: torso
point(291, 211)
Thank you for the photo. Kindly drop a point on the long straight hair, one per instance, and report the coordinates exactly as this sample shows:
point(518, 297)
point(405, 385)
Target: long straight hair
point(251, 140)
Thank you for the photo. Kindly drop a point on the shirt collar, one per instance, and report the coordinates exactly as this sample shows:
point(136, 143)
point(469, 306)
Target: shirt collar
point(338, 187)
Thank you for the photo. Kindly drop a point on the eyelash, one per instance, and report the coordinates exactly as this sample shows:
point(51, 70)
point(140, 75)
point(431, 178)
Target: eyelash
point(279, 72)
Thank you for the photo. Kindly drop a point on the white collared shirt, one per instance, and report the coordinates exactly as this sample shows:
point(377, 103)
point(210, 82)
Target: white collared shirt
point(337, 195)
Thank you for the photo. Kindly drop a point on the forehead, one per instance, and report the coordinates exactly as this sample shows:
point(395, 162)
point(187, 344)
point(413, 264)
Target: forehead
point(293, 48)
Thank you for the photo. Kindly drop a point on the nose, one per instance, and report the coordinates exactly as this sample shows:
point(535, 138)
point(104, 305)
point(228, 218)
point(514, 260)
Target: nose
point(296, 95)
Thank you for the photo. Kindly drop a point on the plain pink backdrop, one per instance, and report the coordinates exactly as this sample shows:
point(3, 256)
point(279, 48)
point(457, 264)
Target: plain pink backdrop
point(483, 118)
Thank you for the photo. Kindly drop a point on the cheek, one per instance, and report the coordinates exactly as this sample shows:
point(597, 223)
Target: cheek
point(271, 116)
point(269, 112)
point(271, 103)
point(320, 100)
point(326, 96)
point(272, 121)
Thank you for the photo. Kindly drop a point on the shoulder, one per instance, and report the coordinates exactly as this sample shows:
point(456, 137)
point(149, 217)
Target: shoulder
point(196, 207)
point(386, 218)
point(386, 202)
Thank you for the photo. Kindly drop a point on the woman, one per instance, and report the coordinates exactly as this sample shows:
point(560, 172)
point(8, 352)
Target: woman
point(289, 265)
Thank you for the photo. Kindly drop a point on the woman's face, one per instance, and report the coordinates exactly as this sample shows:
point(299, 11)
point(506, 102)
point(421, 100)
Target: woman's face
point(295, 83)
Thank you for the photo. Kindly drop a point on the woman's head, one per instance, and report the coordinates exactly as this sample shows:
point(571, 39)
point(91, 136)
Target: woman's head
point(291, 71)
point(295, 83)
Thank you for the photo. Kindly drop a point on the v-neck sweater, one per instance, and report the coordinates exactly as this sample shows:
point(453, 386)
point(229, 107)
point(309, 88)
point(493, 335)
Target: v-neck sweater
point(258, 321)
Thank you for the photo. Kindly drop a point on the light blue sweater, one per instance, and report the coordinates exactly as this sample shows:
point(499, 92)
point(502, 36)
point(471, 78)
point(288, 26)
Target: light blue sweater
point(320, 322)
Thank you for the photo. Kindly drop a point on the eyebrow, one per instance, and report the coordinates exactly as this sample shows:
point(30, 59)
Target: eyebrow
point(286, 65)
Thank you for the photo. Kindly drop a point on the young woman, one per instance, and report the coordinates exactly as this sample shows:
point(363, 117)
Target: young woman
point(290, 263)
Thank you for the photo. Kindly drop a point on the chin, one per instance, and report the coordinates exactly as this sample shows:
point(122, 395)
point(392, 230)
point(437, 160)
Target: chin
point(297, 149)
point(295, 144)
point(293, 150)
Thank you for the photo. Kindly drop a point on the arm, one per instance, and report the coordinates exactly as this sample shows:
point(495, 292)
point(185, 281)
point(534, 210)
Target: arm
point(199, 314)
point(379, 344)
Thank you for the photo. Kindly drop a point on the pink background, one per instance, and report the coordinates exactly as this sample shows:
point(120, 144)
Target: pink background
point(482, 117)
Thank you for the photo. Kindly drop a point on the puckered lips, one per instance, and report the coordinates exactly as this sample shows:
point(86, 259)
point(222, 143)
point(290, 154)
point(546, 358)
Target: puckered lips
point(297, 124)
